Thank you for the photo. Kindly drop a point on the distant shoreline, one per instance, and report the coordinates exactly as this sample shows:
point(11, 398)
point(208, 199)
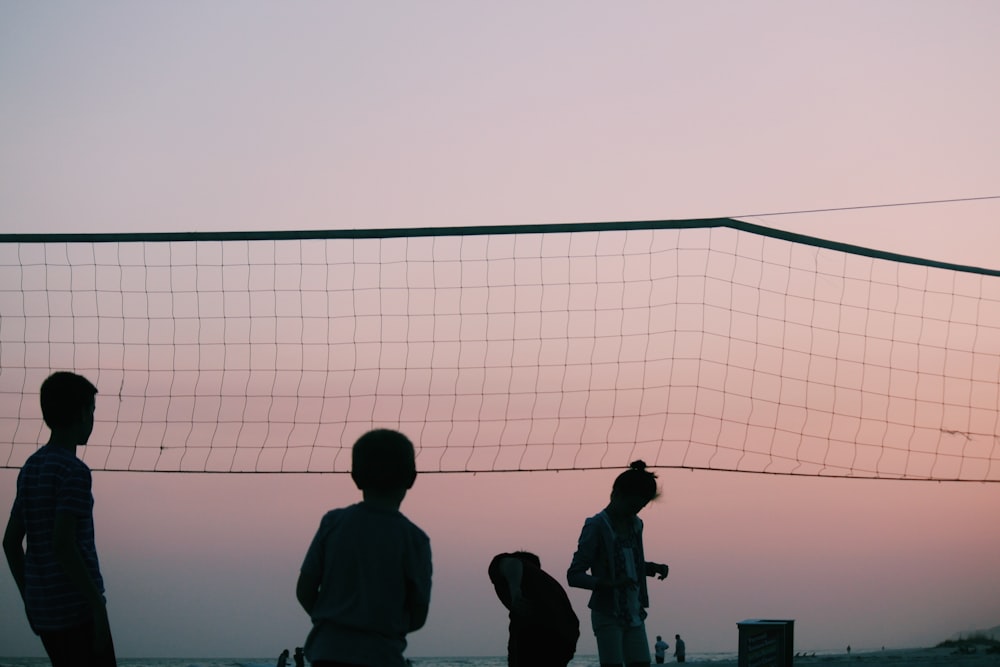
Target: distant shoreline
point(896, 657)
point(909, 657)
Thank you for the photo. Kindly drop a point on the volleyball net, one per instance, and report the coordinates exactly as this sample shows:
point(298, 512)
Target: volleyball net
point(702, 344)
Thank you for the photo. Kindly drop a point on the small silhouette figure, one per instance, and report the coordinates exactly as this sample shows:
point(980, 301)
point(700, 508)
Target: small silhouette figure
point(283, 659)
point(299, 657)
point(660, 650)
point(366, 578)
point(679, 648)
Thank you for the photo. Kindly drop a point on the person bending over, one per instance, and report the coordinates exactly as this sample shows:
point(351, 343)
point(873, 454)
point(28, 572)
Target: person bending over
point(543, 627)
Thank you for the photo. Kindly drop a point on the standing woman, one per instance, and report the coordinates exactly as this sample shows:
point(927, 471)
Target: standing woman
point(609, 561)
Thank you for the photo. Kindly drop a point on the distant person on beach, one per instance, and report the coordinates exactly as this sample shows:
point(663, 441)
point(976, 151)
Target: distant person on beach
point(58, 574)
point(610, 562)
point(366, 578)
point(660, 650)
point(543, 627)
point(283, 659)
point(300, 658)
point(679, 648)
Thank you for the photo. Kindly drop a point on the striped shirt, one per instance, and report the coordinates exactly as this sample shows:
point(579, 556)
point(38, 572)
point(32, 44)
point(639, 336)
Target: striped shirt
point(54, 480)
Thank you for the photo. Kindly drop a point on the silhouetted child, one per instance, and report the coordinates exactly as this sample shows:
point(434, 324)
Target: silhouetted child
point(366, 579)
point(58, 574)
point(543, 627)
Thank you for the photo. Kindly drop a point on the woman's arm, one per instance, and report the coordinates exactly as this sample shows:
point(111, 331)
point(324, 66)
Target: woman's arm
point(657, 570)
point(583, 560)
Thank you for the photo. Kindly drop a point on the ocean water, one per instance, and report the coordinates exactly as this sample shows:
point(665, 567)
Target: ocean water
point(479, 661)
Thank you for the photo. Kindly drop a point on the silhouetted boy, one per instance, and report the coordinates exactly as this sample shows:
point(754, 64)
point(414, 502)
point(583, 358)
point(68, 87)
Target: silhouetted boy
point(366, 579)
point(58, 574)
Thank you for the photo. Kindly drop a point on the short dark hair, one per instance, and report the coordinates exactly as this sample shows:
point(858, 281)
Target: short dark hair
point(637, 481)
point(383, 460)
point(64, 396)
point(528, 557)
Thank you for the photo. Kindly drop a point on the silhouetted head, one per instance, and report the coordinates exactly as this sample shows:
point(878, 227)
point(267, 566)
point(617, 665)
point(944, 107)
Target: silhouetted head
point(528, 558)
point(636, 482)
point(67, 400)
point(383, 461)
point(632, 490)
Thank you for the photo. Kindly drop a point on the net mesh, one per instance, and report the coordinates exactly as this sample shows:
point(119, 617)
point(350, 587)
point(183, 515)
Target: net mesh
point(694, 344)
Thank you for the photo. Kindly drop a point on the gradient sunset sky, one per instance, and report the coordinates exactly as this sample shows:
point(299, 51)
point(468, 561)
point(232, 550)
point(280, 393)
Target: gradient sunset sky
point(164, 116)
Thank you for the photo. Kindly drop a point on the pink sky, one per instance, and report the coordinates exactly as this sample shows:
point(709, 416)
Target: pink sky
point(165, 117)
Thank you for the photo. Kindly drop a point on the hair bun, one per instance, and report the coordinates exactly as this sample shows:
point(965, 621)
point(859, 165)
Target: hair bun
point(637, 465)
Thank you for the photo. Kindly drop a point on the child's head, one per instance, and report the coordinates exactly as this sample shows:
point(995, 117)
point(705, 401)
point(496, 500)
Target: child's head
point(636, 484)
point(528, 558)
point(383, 461)
point(67, 399)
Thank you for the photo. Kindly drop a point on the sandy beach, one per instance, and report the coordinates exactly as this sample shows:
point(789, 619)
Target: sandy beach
point(938, 657)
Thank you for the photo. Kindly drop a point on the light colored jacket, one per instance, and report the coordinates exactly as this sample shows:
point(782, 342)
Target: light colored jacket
point(595, 552)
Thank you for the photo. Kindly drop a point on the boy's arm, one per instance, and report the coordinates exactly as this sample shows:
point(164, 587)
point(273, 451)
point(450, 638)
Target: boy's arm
point(311, 573)
point(418, 589)
point(13, 548)
point(307, 591)
point(68, 555)
point(417, 605)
